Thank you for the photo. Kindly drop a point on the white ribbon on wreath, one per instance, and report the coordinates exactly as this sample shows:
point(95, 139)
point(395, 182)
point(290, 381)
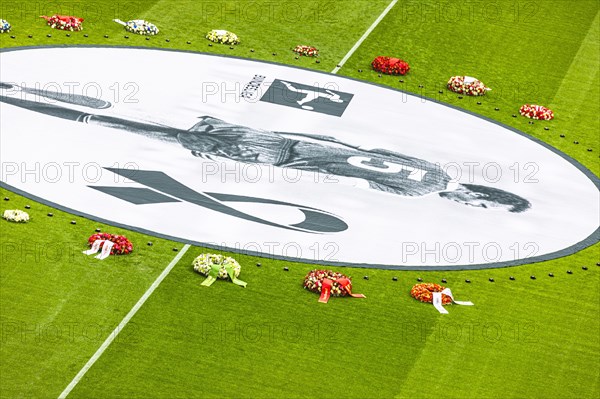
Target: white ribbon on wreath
point(437, 300)
point(96, 247)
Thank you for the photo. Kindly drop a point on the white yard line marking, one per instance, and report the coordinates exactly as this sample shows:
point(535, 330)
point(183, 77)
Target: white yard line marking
point(111, 337)
point(364, 36)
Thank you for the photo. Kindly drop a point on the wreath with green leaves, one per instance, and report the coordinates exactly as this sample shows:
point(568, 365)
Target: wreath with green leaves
point(216, 266)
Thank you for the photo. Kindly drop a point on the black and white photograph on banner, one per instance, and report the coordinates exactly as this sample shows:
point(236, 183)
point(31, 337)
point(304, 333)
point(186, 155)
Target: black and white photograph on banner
point(312, 166)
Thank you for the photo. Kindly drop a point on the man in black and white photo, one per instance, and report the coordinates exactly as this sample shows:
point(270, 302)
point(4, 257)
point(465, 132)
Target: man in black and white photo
point(383, 170)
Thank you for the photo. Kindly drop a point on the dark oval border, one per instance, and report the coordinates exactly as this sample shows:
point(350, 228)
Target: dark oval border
point(587, 242)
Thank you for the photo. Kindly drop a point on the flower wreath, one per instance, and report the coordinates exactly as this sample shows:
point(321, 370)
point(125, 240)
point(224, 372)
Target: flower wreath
point(4, 26)
point(222, 36)
point(327, 283)
point(390, 66)
point(64, 22)
point(308, 51)
point(424, 293)
point(15, 215)
point(467, 85)
point(121, 246)
point(536, 112)
point(218, 266)
point(139, 26)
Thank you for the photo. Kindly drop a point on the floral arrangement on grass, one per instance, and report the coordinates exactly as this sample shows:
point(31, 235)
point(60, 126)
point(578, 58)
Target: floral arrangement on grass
point(424, 293)
point(216, 266)
point(121, 244)
point(536, 112)
point(222, 36)
point(64, 22)
point(308, 51)
point(139, 26)
point(328, 283)
point(467, 85)
point(16, 215)
point(4, 26)
point(390, 65)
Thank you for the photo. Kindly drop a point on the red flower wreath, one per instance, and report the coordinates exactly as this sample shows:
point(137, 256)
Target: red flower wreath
point(308, 51)
point(328, 282)
point(64, 22)
point(536, 112)
point(390, 66)
point(424, 293)
point(121, 246)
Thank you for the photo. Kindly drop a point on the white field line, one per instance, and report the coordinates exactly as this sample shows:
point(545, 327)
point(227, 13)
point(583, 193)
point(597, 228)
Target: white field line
point(165, 272)
point(111, 337)
point(364, 36)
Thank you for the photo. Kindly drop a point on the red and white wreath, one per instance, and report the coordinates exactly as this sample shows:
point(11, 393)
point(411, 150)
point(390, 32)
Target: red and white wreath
point(328, 283)
point(390, 65)
point(308, 51)
point(121, 244)
point(467, 85)
point(536, 112)
point(64, 22)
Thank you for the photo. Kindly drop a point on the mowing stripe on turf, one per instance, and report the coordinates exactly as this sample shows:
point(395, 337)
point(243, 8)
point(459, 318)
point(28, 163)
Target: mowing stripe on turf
point(364, 36)
point(111, 337)
point(584, 64)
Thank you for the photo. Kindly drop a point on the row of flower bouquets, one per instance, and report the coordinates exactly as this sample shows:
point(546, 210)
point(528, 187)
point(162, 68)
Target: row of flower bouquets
point(138, 26)
point(143, 27)
point(75, 24)
point(387, 65)
point(327, 283)
point(459, 84)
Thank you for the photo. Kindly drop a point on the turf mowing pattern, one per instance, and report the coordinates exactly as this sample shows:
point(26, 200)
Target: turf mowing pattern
point(523, 338)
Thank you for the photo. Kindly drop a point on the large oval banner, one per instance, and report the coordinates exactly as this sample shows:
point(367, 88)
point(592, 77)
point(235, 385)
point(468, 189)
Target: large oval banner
point(284, 162)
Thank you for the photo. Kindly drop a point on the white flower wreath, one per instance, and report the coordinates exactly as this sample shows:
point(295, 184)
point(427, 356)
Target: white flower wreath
point(222, 36)
point(4, 26)
point(15, 215)
point(467, 85)
point(139, 26)
point(204, 262)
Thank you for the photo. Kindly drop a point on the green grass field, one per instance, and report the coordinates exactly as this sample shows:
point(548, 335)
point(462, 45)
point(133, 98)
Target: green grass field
point(523, 339)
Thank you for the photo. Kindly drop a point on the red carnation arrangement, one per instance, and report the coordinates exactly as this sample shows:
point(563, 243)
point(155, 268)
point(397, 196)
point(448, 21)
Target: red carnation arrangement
point(64, 22)
point(424, 293)
point(390, 66)
point(308, 51)
point(536, 112)
point(121, 246)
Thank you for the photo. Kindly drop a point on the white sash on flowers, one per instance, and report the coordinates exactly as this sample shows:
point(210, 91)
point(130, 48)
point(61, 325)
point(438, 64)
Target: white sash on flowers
point(96, 247)
point(106, 250)
point(437, 300)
